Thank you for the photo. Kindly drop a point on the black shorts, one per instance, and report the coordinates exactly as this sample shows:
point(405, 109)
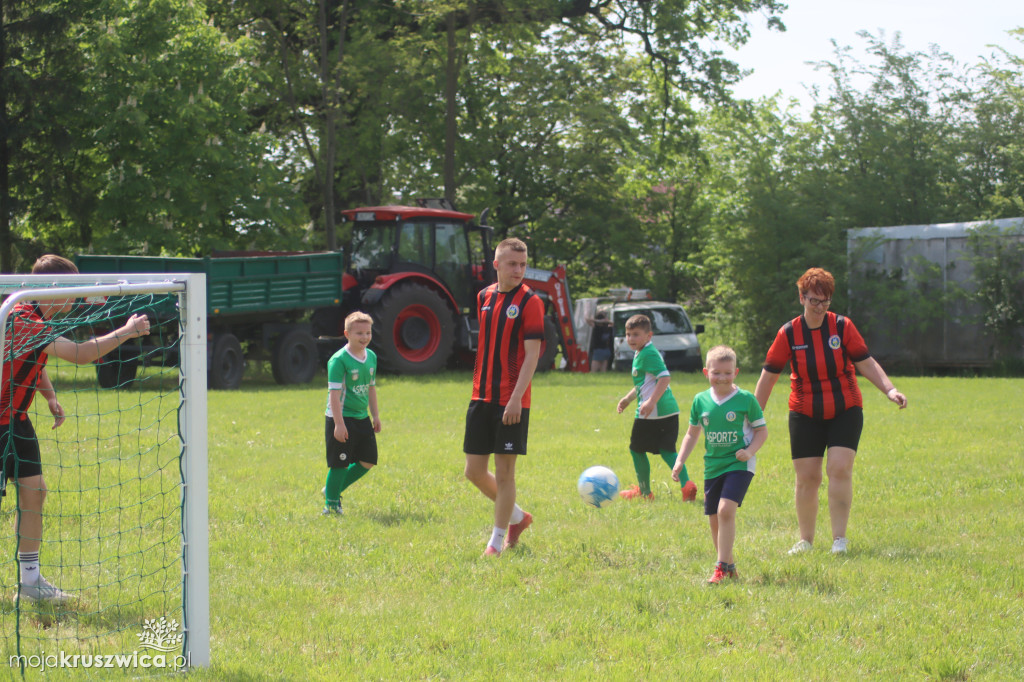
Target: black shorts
point(654, 435)
point(361, 445)
point(20, 454)
point(810, 437)
point(732, 485)
point(485, 434)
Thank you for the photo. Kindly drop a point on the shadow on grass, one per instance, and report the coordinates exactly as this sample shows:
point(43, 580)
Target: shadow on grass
point(802, 576)
point(45, 615)
point(392, 517)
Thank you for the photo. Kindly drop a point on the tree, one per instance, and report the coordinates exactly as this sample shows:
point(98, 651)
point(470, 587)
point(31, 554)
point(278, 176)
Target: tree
point(383, 85)
point(131, 133)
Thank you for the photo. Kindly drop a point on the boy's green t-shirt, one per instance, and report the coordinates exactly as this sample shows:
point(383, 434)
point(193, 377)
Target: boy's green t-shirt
point(648, 367)
point(728, 427)
point(353, 378)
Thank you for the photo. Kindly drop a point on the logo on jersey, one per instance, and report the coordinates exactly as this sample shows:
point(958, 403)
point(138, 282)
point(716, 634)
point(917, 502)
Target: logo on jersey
point(834, 342)
point(704, 419)
point(355, 374)
point(730, 416)
point(512, 312)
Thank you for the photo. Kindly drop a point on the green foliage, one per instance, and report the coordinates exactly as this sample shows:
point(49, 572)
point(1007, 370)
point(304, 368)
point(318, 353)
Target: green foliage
point(998, 262)
point(898, 307)
point(150, 147)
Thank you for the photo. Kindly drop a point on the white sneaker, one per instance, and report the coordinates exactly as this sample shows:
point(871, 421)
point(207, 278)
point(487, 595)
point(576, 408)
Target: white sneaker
point(801, 547)
point(329, 510)
point(42, 590)
point(839, 546)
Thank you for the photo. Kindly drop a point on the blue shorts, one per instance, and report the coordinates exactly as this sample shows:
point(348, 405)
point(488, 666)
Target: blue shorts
point(601, 355)
point(732, 485)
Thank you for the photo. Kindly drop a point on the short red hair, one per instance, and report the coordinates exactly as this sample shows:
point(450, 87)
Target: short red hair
point(817, 280)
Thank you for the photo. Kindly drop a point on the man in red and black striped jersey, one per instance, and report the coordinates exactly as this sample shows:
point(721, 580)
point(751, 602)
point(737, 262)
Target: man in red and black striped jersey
point(29, 341)
point(511, 319)
point(825, 414)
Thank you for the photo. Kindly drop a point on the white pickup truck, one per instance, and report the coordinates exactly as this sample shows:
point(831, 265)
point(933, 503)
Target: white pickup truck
point(674, 335)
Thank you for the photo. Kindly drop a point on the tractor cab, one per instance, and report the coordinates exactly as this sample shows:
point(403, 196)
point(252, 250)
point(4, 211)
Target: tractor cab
point(416, 270)
point(438, 243)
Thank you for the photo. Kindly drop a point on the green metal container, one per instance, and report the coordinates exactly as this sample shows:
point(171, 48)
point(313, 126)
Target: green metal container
point(237, 285)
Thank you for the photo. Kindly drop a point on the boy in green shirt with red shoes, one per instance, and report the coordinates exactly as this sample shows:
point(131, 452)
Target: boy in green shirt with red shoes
point(734, 430)
point(656, 426)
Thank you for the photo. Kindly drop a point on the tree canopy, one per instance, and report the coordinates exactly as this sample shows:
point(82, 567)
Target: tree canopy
point(601, 131)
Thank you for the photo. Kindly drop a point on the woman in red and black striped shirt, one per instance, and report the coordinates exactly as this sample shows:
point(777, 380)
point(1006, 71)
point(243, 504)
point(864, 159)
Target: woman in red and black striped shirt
point(825, 414)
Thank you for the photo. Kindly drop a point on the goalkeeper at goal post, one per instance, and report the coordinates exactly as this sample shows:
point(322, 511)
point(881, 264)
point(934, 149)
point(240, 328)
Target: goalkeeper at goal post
point(29, 343)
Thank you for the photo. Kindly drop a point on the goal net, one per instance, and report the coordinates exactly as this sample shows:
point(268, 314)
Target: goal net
point(124, 517)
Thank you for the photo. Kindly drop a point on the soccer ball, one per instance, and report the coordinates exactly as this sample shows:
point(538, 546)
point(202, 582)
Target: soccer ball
point(598, 486)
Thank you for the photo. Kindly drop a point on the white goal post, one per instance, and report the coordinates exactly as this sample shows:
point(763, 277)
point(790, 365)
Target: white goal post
point(190, 352)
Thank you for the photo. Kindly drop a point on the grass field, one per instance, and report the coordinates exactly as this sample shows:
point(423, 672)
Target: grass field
point(932, 588)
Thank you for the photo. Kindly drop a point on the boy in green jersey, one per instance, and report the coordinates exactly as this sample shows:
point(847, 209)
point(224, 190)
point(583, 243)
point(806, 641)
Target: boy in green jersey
point(656, 426)
point(734, 430)
point(350, 433)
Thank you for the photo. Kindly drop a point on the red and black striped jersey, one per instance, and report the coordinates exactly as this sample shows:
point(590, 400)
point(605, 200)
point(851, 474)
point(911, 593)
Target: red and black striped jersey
point(27, 335)
point(823, 381)
point(507, 320)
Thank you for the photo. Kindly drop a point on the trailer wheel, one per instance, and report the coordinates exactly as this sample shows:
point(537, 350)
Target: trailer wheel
point(295, 357)
point(413, 330)
point(549, 347)
point(227, 364)
point(118, 368)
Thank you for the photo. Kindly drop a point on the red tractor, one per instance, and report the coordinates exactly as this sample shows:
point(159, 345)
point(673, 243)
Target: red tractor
point(417, 270)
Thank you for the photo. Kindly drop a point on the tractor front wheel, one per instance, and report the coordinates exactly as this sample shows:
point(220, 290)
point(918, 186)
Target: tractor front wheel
point(413, 330)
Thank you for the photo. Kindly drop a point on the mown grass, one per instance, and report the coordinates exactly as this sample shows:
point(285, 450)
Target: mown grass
point(932, 588)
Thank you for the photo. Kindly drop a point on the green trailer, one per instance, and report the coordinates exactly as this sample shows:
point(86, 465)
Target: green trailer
point(261, 302)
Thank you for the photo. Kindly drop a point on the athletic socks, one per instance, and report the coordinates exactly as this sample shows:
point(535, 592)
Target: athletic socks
point(340, 478)
point(332, 494)
point(517, 515)
point(670, 460)
point(354, 472)
point(497, 538)
point(29, 562)
point(642, 466)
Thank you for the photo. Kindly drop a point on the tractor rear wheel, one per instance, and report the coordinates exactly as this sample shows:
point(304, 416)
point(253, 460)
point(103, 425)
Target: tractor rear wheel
point(118, 368)
point(549, 348)
point(413, 330)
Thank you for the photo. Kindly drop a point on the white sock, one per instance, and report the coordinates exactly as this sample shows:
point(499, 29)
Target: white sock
point(29, 562)
point(517, 514)
point(497, 538)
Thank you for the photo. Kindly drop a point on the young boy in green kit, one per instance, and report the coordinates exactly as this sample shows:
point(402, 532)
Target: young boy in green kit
point(734, 430)
point(656, 426)
point(350, 432)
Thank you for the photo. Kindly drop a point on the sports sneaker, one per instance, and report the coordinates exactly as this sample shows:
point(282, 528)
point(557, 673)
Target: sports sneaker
point(633, 493)
point(839, 546)
point(490, 551)
point(515, 530)
point(719, 574)
point(730, 572)
point(801, 547)
point(690, 492)
point(42, 590)
point(331, 510)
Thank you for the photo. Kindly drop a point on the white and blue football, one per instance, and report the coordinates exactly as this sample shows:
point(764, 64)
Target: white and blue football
point(598, 486)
